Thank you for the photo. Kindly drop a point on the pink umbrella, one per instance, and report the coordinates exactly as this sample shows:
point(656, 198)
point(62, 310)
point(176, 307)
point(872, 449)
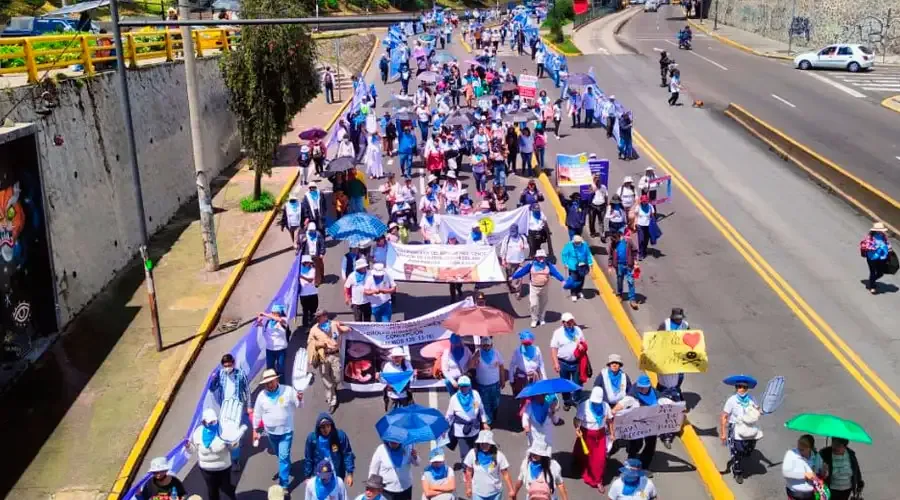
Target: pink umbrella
point(434, 350)
point(474, 62)
point(479, 320)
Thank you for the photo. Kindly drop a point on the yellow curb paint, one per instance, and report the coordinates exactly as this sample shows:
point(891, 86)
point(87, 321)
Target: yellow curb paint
point(141, 445)
point(707, 469)
point(851, 361)
point(561, 51)
point(819, 178)
point(465, 44)
point(737, 45)
point(892, 103)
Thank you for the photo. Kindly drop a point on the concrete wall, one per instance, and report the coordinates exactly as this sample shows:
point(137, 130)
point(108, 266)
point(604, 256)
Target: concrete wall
point(830, 21)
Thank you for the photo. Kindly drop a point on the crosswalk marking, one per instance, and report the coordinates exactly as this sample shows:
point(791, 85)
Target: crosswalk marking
point(873, 81)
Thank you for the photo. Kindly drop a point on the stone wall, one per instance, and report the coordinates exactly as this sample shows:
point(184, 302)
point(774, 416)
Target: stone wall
point(829, 21)
point(84, 161)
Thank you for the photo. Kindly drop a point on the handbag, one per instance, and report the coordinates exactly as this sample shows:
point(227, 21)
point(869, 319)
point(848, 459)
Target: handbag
point(892, 264)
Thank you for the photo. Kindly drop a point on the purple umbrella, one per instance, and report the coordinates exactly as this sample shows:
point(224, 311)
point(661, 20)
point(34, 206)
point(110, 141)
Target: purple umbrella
point(580, 79)
point(314, 133)
point(473, 62)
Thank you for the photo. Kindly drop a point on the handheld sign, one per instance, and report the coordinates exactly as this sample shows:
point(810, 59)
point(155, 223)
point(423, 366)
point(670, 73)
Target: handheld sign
point(680, 351)
point(774, 395)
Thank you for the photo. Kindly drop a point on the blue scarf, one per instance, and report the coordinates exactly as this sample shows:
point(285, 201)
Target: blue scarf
point(744, 400)
point(597, 410)
point(536, 215)
point(457, 351)
point(630, 486)
point(377, 279)
point(648, 399)
point(528, 351)
point(312, 235)
point(294, 203)
point(570, 332)
point(314, 195)
point(396, 454)
point(323, 445)
point(484, 459)
point(273, 395)
point(476, 235)
point(540, 412)
point(323, 489)
point(437, 473)
point(466, 399)
point(487, 355)
point(539, 265)
point(615, 380)
point(305, 267)
point(326, 326)
point(535, 469)
point(360, 278)
point(209, 433)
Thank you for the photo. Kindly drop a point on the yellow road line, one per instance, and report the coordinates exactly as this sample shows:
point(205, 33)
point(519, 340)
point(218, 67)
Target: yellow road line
point(142, 444)
point(706, 468)
point(892, 103)
point(804, 312)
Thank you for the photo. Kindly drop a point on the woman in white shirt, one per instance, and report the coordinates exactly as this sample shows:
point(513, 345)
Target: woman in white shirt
point(593, 426)
point(733, 413)
point(487, 469)
point(325, 485)
point(309, 291)
point(465, 414)
point(541, 475)
point(455, 362)
point(538, 418)
point(643, 213)
point(626, 192)
point(614, 380)
point(526, 364)
point(213, 456)
point(397, 395)
point(802, 468)
point(393, 462)
point(437, 481)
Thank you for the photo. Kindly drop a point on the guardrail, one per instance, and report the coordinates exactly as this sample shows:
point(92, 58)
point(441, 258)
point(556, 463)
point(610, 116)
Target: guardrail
point(595, 12)
point(31, 55)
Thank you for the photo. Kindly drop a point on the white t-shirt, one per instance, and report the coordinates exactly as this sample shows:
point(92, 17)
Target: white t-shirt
point(396, 479)
point(357, 297)
point(452, 369)
point(555, 471)
point(338, 493)
point(519, 363)
point(642, 215)
point(486, 481)
point(489, 373)
point(276, 336)
point(588, 420)
point(381, 298)
point(734, 410)
point(308, 283)
point(565, 347)
point(277, 414)
point(645, 491)
point(454, 408)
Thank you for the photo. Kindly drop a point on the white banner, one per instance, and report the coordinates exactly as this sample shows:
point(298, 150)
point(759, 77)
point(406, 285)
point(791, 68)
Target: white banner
point(495, 225)
point(646, 421)
point(444, 263)
point(366, 348)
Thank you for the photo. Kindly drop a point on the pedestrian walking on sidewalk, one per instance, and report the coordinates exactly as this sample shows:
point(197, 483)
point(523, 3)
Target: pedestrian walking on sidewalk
point(213, 456)
point(324, 349)
point(275, 331)
point(328, 84)
point(539, 272)
point(274, 410)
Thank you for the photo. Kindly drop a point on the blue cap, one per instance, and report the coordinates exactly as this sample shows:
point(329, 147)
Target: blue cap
point(324, 466)
point(278, 309)
point(632, 468)
point(526, 335)
point(643, 381)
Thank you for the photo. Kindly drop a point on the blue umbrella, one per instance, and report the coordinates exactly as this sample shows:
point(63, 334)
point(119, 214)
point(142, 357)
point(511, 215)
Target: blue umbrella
point(548, 386)
point(580, 80)
point(740, 379)
point(357, 227)
point(444, 57)
point(412, 424)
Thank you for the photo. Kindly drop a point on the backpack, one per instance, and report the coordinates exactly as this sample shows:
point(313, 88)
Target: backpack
point(329, 80)
point(538, 489)
point(317, 151)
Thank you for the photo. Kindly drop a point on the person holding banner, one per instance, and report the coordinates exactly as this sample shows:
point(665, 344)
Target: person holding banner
point(644, 183)
point(466, 416)
point(393, 462)
point(669, 385)
point(539, 272)
point(213, 456)
point(379, 288)
point(325, 349)
point(274, 410)
point(327, 443)
point(455, 363)
point(396, 375)
point(490, 377)
point(593, 426)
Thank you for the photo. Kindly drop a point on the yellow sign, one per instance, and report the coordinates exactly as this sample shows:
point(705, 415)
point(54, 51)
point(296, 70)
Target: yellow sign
point(681, 351)
point(487, 226)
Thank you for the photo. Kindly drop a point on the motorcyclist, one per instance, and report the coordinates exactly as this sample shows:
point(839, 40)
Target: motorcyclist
point(684, 37)
point(664, 62)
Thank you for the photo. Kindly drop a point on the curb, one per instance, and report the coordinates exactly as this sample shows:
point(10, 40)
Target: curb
point(855, 191)
point(703, 462)
point(561, 51)
point(892, 103)
point(736, 45)
point(465, 44)
point(136, 455)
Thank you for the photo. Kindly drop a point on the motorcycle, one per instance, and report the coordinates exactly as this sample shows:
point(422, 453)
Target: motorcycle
point(684, 43)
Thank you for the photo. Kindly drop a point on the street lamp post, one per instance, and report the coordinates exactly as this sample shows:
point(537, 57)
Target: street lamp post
point(791, 25)
point(716, 17)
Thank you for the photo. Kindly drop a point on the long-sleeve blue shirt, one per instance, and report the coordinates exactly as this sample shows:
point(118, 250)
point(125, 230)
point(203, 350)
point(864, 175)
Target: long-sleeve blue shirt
point(525, 269)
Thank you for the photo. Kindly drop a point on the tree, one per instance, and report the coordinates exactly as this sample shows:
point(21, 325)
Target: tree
point(270, 76)
point(555, 23)
point(36, 6)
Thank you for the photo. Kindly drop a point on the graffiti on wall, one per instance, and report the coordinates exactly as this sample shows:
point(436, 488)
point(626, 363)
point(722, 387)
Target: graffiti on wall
point(880, 33)
point(800, 26)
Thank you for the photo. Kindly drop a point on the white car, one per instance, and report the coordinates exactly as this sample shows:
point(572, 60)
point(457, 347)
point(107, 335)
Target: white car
point(852, 57)
point(651, 6)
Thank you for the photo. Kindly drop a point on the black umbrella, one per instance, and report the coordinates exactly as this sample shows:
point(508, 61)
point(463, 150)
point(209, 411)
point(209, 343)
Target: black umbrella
point(397, 102)
point(460, 120)
point(341, 164)
point(509, 87)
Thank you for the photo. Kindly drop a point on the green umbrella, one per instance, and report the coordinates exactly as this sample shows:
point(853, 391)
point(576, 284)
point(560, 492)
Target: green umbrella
point(829, 426)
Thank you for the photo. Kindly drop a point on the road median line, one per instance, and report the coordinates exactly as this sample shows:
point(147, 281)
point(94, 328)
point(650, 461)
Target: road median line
point(154, 421)
point(880, 392)
point(855, 191)
point(703, 462)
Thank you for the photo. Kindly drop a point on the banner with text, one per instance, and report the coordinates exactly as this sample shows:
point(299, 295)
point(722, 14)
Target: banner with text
point(600, 168)
point(366, 348)
point(644, 421)
point(663, 187)
point(572, 170)
point(679, 351)
point(495, 225)
point(444, 263)
point(528, 85)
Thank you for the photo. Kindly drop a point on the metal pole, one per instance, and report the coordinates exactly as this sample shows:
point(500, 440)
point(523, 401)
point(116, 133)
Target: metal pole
point(337, 51)
point(716, 18)
point(791, 26)
point(125, 102)
point(204, 196)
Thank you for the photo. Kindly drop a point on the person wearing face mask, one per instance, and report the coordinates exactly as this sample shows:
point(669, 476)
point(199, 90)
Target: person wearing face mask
point(466, 416)
point(430, 226)
point(487, 470)
point(162, 485)
point(593, 426)
point(291, 217)
point(379, 288)
point(644, 213)
point(325, 485)
point(327, 443)
point(632, 483)
point(304, 160)
point(563, 347)
point(538, 231)
point(615, 382)
point(539, 272)
point(455, 362)
point(309, 291)
point(513, 251)
point(374, 488)
point(274, 410)
point(490, 377)
point(230, 382)
point(275, 331)
point(396, 375)
point(355, 291)
point(577, 257)
point(739, 410)
point(324, 349)
point(530, 195)
point(311, 243)
point(214, 456)
point(844, 474)
point(575, 216)
point(437, 481)
point(348, 261)
point(803, 469)
point(541, 475)
point(642, 394)
point(393, 462)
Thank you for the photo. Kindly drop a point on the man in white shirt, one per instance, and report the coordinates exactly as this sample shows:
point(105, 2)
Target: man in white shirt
point(379, 288)
point(513, 251)
point(490, 377)
point(274, 410)
point(396, 375)
point(354, 291)
point(563, 346)
point(275, 329)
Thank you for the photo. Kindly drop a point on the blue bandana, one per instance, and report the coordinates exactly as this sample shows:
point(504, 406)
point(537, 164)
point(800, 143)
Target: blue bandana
point(210, 432)
point(377, 279)
point(395, 454)
point(326, 326)
point(538, 265)
point(466, 399)
point(648, 399)
point(360, 278)
point(314, 195)
point(535, 469)
point(615, 380)
point(540, 411)
point(744, 399)
point(630, 485)
point(484, 459)
point(597, 410)
point(323, 445)
point(536, 215)
point(570, 332)
point(324, 489)
point(312, 235)
point(437, 473)
point(487, 355)
point(273, 395)
point(528, 351)
point(476, 235)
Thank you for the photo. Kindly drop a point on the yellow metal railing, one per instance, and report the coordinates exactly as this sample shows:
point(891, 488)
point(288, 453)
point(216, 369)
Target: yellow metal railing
point(33, 55)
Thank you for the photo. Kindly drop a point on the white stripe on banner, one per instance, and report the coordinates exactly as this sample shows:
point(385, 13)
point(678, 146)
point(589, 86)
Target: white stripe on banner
point(494, 225)
point(444, 263)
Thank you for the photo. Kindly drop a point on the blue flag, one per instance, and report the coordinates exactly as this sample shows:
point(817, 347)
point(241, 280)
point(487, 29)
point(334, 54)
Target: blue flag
point(397, 380)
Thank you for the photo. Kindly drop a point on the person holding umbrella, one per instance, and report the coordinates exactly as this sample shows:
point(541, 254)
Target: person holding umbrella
point(632, 483)
point(487, 470)
point(593, 426)
point(455, 362)
point(465, 415)
point(437, 482)
point(541, 475)
point(738, 428)
point(490, 376)
point(393, 461)
point(325, 485)
point(539, 416)
point(328, 443)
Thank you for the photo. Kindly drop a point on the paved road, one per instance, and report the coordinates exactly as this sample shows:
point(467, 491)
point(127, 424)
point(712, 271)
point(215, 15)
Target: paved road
point(808, 237)
point(835, 113)
point(357, 416)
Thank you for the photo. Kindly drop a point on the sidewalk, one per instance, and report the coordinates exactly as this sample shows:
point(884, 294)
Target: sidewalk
point(599, 35)
point(80, 411)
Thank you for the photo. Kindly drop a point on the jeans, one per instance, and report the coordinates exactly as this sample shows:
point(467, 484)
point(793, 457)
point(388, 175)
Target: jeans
point(569, 371)
point(490, 398)
point(423, 129)
point(588, 118)
point(624, 273)
point(511, 161)
point(329, 94)
point(499, 173)
point(275, 361)
point(527, 168)
point(540, 158)
point(576, 119)
point(579, 282)
point(281, 446)
point(480, 181)
point(406, 162)
point(876, 270)
point(382, 313)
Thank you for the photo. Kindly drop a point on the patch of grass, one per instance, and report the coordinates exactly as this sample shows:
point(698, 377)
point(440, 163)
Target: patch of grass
point(566, 46)
point(546, 25)
point(265, 202)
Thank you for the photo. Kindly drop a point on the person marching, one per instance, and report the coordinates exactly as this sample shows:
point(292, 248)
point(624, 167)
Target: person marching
point(455, 362)
point(632, 483)
point(466, 416)
point(274, 410)
point(396, 395)
point(623, 263)
point(291, 218)
point(490, 377)
point(593, 426)
point(539, 272)
point(577, 257)
point(311, 244)
point(213, 456)
point(324, 351)
point(393, 462)
point(437, 482)
point(541, 475)
point(327, 443)
point(513, 251)
point(803, 470)
point(374, 488)
point(538, 231)
point(738, 428)
point(313, 208)
point(844, 474)
point(644, 212)
point(597, 207)
point(275, 331)
point(669, 385)
point(539, 417)
point(615, 382)
point(487, 470)
point(325, 485)
point(379, 288)
point(644, 448)
point(563, 346)
point(355, 291)
point(230, 382)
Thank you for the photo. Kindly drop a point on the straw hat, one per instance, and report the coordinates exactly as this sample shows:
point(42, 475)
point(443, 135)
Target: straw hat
point(268, 376)
point(879, 227)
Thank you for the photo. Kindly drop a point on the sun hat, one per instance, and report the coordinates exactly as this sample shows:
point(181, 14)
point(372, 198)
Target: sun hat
point(627, 178)
point(577, 239)
point(451, 174)
point(740, 380)
point(268, 376)
point(397, 351)
point(879, 227)
point(378, 269)
point(375, 482)
point(485, 437)
point(596, 395)
point(567, 316)
point(209, 415)
point(632, 469)
point(540, 253)
point(311, 226)
point(361, 264)
point(614, 358)
point(540, 448)
point(650, 168)
point(643, 382)
point(312, 185)
point(278, 309)
point(306, 258)
point(464, 381)
point(159, 464)
point(294, 195)
point(436, 455)
point(392, 225)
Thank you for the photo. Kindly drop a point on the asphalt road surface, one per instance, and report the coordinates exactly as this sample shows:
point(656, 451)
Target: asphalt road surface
point(836, 113)
point(675, 476)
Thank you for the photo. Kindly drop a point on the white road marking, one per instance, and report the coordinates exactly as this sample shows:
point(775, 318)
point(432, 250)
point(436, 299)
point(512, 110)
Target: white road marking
point(657, 49)
point(897, 157)
point(843, 88)
point(881, 89)
point(670, 42)
point(784, 101)
point(433, 403)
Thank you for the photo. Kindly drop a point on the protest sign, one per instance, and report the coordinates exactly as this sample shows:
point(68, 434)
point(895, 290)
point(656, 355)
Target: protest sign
point(663, 187)
point(444, 263)
point(494, 225)
point(528, 85)
point(598, 167)
point(644, 421)
point(572, 170)
point(366, 348)
point(679, 351)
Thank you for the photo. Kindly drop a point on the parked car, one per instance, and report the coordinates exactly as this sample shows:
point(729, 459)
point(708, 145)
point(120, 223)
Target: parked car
point(651, 6)
point(852, 57)
point(34, 26)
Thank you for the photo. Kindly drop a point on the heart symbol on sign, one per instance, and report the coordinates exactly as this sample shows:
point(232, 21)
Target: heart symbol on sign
point(691, 339)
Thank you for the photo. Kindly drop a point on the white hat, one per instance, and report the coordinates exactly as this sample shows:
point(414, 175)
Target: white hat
point(209, 415)
point(612, 97)
point(436, 456)
point(464, 381)
point(540, 253)
point(540, 448)
point(159, 464)
point(304, 149)
point(397, 351)
point(311, 226)
point(451, 174)
point(361, 264)
point(392, 225)
point(879, 227)
point(312, 185)
point(567, 316)
point(306, 258)
point(596, 395)
point(614, 358)
point(294, 195)
point(627, 178)
point(475, 225)
point(650, 167)
point(268, 376)
point(577, 239)
point(485, 437)
point(275, 492)
point(431, 178)
point(378, 269)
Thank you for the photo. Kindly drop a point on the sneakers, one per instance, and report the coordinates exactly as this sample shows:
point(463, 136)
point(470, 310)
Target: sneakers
point(542, 322)
point(739, 478)
point(634, 305)
point(574, 298)
point(580, 295)
point(534, 324)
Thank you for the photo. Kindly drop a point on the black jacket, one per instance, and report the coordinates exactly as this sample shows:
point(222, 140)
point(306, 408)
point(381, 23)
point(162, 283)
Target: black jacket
point(856, 480)
point(306, 211)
